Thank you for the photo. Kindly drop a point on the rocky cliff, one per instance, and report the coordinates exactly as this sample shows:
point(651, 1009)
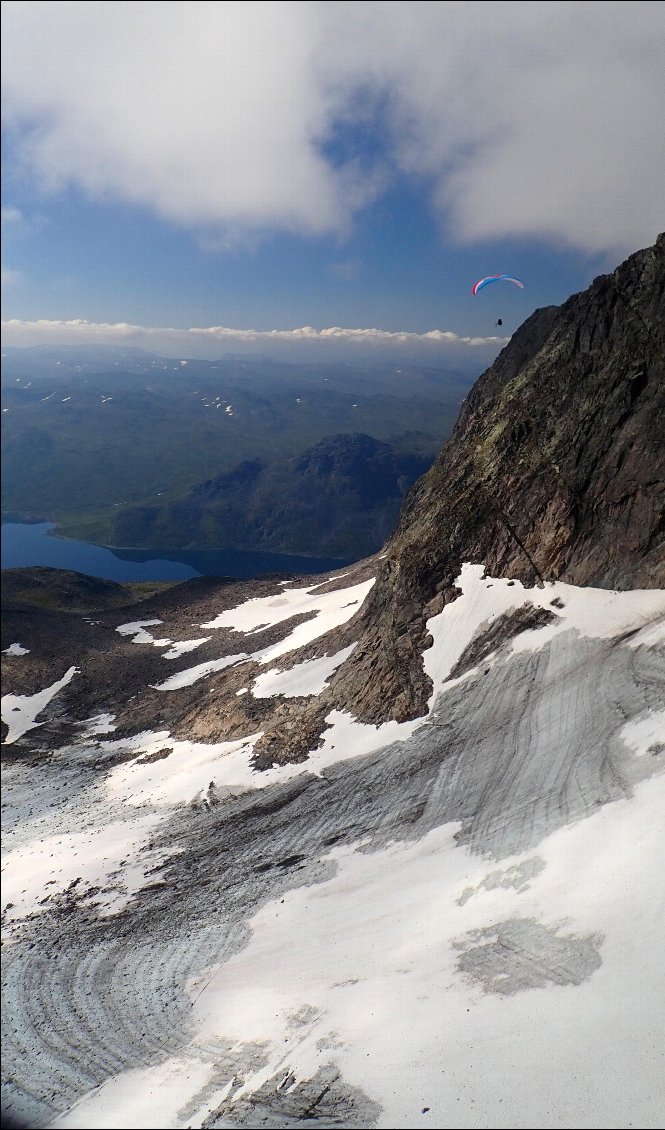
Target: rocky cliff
point(554, 471)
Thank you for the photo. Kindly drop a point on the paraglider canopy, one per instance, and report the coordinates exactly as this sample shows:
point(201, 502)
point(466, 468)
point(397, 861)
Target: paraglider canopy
point(495, 278)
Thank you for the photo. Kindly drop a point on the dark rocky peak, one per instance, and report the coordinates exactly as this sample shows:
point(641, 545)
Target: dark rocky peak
point(340, 498)
point(554, 471)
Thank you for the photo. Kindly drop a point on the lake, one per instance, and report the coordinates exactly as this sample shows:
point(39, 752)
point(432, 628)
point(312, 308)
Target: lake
point(31, 543)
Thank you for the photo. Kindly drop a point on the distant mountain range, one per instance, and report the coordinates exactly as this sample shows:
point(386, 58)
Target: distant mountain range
point(121, 447)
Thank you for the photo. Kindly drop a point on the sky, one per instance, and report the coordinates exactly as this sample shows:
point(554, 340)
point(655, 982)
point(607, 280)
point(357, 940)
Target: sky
point(209, 178)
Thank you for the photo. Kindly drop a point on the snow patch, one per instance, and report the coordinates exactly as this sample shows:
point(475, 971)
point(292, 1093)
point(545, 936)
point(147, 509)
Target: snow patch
point(98, 724)
point(307, 678)
point(331, 610)
point(19, 711)
point(192, 674)
point(185, 770)
point(595, 613)
point(184, 647)
point(256, 613)
point(137, 630)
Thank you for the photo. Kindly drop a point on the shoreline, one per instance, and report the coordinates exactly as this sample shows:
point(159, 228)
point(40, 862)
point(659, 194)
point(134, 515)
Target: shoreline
point(12, 518)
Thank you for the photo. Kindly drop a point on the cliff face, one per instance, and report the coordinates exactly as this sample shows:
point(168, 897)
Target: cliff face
point(555, 471)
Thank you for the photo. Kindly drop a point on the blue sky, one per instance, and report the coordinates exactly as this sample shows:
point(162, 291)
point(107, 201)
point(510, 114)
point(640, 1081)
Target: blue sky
point(263, 167)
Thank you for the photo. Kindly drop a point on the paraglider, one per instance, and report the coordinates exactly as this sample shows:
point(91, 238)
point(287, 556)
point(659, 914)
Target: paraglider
point(492, 279)
point(495, 278)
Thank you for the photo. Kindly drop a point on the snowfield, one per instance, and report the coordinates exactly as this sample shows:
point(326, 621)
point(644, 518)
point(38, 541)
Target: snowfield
point(455, 921)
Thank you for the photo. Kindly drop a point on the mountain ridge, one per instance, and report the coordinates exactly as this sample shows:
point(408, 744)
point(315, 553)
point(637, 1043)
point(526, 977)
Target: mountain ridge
point(99, 448)
point(586, 507)
point(338, 498)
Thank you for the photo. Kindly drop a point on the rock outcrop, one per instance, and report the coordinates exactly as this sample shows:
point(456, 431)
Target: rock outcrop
point(555, 471)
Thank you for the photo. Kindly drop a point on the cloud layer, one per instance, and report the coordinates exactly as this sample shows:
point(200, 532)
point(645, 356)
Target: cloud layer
point(213, 341)
point(236, 118)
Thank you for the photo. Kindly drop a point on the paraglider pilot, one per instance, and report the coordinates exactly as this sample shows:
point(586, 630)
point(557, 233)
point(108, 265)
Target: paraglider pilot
point(494, 279)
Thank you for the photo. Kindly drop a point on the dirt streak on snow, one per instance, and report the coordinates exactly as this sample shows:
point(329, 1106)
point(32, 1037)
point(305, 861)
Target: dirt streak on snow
point(104, 857)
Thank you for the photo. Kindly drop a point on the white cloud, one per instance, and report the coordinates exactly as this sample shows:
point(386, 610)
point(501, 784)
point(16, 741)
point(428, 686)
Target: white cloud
point(11, 216)
point(9, 277)
point(525, 120)
point(209, 113)
point(213, 341)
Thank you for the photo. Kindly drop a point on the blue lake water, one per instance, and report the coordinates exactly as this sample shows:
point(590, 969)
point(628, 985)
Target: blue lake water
point(31, 543)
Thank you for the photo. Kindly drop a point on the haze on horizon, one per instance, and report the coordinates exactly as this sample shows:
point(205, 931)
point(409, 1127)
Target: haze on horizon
point(326, 177)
